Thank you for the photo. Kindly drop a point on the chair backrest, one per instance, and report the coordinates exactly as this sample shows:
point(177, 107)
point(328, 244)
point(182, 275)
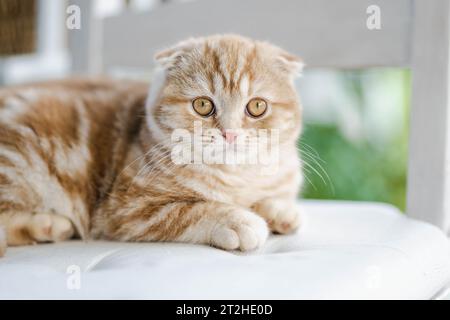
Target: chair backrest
point(412, 34)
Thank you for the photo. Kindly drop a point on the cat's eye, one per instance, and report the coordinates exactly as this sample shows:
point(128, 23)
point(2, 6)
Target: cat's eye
point(256, 107)
point(203, 106)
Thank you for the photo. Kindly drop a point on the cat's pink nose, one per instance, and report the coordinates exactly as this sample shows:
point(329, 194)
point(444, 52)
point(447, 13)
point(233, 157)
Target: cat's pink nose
point(229, 136)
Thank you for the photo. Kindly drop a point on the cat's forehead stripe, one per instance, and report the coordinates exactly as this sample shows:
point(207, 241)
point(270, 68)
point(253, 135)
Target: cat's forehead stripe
point(231, 66)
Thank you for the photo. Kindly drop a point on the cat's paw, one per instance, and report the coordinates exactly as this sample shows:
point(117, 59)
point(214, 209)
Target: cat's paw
point(242, 229)
point(285, 222)
point(45, 227)
point(282, 216)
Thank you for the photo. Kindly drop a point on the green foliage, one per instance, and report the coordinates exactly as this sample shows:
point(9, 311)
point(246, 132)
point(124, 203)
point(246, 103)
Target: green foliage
point(355, 171)
point(352, 172)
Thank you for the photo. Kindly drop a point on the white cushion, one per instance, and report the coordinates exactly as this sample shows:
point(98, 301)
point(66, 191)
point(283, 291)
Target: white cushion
point(344, 250)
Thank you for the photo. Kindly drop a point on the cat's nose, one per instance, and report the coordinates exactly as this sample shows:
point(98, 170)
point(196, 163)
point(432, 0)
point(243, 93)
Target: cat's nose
point(230, 136)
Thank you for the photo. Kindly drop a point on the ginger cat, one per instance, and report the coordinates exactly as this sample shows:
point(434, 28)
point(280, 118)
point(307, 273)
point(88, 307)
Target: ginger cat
point(93, 158)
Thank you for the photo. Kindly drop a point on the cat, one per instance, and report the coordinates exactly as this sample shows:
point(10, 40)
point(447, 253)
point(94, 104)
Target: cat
point(93, 158)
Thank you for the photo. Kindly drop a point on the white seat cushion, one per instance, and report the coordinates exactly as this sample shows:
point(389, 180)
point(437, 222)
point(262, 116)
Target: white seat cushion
point(344, 250)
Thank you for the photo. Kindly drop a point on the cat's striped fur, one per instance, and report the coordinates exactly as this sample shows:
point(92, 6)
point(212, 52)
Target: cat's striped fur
point(90, 158)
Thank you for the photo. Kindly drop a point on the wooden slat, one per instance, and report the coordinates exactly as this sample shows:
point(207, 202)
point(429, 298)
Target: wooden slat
point(429, 146)
point(325, 33)
point(17, 27)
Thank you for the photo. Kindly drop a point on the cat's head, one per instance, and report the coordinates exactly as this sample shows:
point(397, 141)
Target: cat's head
point(230, 84)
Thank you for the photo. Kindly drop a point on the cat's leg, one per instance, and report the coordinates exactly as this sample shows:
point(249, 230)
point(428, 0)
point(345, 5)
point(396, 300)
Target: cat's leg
point(282, 214)
point(225, 226)
point(221, 225)
point(23, 228)
point(24, 219)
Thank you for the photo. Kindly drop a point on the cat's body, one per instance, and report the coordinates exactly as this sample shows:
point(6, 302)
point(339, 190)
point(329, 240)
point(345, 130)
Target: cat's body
point(92, 157)
point(61, 147)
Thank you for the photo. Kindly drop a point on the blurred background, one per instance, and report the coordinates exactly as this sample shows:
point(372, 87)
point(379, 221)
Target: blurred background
point(355, 135)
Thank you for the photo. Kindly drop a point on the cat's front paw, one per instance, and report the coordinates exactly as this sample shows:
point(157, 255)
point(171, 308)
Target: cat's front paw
point(241, 229)
point(282, 216)
point(45, 227)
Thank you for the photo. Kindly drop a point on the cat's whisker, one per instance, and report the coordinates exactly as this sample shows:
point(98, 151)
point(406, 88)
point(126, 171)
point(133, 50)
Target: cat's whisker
point(312, 150)
point(305, 161)
point(144, 155)
point(149, 163)
point(309, 180)
point(134, 161)
point(156, 166)
point(313, 155)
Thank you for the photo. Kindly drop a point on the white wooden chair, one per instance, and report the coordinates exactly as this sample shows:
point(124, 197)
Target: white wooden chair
point(346, 249)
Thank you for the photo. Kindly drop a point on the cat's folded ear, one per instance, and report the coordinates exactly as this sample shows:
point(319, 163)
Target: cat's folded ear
point(290, 63)
point(167, 57)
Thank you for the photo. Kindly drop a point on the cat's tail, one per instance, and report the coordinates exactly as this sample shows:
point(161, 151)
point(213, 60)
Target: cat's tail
point(2, 241)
